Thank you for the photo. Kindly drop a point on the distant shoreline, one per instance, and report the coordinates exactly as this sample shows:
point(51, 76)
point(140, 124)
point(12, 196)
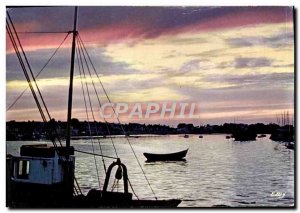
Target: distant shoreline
point(33, 130)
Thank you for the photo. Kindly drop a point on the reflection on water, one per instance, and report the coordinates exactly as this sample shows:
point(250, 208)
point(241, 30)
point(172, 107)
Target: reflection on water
point(217, 171)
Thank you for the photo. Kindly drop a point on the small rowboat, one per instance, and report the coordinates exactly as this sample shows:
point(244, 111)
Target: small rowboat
point(176, 156)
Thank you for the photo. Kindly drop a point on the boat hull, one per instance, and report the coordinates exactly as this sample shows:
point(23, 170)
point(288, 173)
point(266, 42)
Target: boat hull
point(84, 202)
point(177, 156)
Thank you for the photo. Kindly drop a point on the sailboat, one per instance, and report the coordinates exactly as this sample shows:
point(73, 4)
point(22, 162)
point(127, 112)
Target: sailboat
point(44, 176)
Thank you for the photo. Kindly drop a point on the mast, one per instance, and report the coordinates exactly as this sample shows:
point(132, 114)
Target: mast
point(68, 136)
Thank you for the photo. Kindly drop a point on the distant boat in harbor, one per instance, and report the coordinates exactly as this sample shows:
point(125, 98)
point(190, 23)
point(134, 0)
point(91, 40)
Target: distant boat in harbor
point(290, 145)
point(186, 136)
point(176, 156)
point(244, 135)
point(200, 136)
point(261, 136)
point(283, 134)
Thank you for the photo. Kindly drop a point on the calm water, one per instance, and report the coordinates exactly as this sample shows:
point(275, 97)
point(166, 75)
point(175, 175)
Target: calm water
point(217, 171)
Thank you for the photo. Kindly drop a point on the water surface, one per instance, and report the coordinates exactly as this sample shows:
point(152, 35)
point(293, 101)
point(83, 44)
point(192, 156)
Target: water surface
point(217, 171)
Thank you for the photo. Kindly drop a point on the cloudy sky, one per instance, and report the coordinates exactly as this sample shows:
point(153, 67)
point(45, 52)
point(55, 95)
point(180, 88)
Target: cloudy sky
point(236, 63)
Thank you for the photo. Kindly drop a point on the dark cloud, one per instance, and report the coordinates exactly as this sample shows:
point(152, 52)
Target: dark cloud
point(48, 18)
point(265, 89)
point(57, 67)
point(154, 20)
point(260, 94)
point(284, 38)
point(265, 81)
point(184, 69)
point(252, 62)
point(208, 53)
point(134, 85)
point(190, 66)
point(160, 18)
point(187, 41)
point(60, 64)
point(243, 42)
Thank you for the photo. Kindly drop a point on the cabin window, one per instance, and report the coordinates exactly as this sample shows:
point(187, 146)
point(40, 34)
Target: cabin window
point(23, 169)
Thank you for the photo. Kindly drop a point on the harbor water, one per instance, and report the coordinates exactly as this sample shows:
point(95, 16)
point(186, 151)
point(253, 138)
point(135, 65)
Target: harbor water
point(217, 171)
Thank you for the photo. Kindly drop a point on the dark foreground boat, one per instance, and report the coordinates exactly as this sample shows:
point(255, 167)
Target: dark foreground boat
point(41, 178)
point(44, 176)
point(176, 156)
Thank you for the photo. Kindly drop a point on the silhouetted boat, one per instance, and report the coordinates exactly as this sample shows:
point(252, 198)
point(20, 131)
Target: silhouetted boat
point(176, 156)
point(200, 136)
point(261, 136)
point(283, 134)
point(242, 134)
point(290, 145)
point(186, 136)
point(44, 176)
point(228, 137)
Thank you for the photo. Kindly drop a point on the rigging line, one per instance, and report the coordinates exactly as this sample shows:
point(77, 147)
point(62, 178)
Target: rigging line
point(87, 114)
point(100, 147)
point(132, 189)
point(86, 64)
point(29, 67)
point(89, 153)
point(24, 69)
point(77, 184)
point(27, 76)
point(120, 124)
point(90, 104)
point(24, 55)
point(33, 32)
point(16, 100)
point(56, 134)
point(22, 64)
point(84, 54)
point(106, 123)
point(48, 61)
point(75, 191)
point(114, 185)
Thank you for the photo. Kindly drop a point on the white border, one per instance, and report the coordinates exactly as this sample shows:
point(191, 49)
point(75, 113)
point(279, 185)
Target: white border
point(4, 3)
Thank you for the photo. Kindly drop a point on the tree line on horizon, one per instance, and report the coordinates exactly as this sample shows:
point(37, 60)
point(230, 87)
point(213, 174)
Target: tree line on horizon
point(36, 130)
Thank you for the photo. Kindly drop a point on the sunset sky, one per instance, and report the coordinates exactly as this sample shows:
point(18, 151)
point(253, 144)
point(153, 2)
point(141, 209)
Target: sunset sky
point(236, 63)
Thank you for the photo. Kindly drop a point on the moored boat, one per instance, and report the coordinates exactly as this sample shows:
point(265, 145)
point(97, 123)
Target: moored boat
point(241, 134)
point(176, 156)
point(44, 176)
point(261, 136)
point(290, 145)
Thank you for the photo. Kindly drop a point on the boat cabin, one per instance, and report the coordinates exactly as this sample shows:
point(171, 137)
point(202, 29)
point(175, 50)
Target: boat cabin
point(41, 172)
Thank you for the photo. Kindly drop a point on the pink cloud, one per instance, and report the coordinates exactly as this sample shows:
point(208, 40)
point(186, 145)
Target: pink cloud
point(145, 28)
